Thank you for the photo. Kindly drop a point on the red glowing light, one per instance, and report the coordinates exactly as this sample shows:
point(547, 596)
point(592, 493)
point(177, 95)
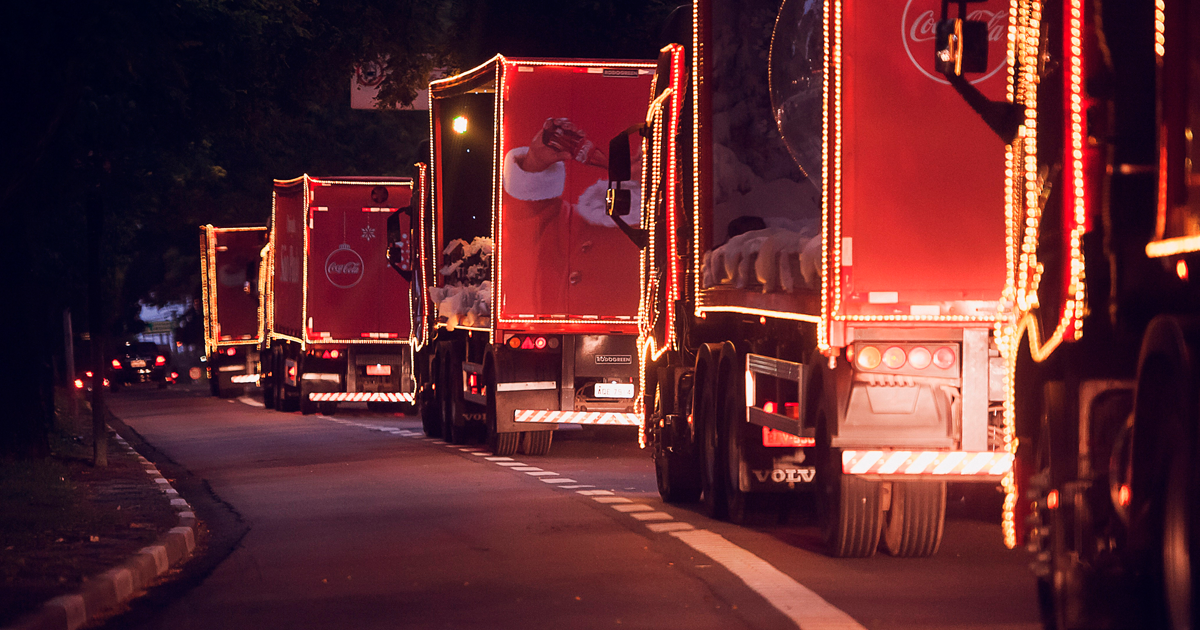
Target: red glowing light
point(79, 383)
point(1052, 500)
point(769, 407)
point(230, 351)
point(539, 343)
point(334, 354)
point(160, 360)
point(116, 364)
point(894, 357)
point(943, 358)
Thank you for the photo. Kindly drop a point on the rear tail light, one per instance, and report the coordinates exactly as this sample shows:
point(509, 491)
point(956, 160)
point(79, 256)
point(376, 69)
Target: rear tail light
point(89, 374)
point(769, 407)
point(161, 360)
point(116, 364)
point(291, 372)
point(333, 354)
point(230, 351)
point(473, 379)
point(174, 376)
point(894, 357)
point(869, 358)
point(532, 343)
point(943, 358)
point(919, 357)
point(79, 383)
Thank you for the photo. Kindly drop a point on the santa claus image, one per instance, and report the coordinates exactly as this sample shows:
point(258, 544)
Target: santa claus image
point(562, 254)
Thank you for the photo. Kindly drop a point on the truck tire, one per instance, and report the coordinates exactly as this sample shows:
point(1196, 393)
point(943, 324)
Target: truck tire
point(913, 526)
point(677, 468)
point(453, 428)
point(851, 516)
point(1179, 541)
point(267, 379)
point(328, 408)
point(307, 406)
point(536, 442)
point(733, 422)
point(431, 417)
point(712, 481)
point(502, 444)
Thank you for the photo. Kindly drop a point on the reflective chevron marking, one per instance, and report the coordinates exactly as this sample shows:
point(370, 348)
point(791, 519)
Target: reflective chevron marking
point(932, 463)
point(359, 397)
point(578, 417)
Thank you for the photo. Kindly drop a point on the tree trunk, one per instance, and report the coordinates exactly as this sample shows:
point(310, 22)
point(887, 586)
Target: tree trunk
point(97, 324)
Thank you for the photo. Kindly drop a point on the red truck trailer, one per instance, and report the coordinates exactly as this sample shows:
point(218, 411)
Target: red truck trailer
point(229, 263)
point(337, 293)
point(533, 289)
point(1103, 327)
point(824, 269)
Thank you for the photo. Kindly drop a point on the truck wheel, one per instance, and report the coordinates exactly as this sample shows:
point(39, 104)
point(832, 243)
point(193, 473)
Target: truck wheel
point(453, 429)
point(536, 442)
point(267, 379)
point(736, 437)
point(431, 418)
point(327, 408)
point(502, 444)
point(712, 458)
point(307, 407)
point(1178, 541)
point(850, 516)
point(677, 469)
point(913, 525)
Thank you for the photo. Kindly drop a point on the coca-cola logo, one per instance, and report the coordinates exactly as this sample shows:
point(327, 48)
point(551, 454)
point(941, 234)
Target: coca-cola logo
point(920, 26)
point(344, 267)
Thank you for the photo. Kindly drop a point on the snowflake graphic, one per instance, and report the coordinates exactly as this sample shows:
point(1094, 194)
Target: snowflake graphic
point(368, 233)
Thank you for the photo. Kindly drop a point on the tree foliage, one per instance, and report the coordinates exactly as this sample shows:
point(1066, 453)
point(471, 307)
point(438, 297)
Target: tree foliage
point(172, 114)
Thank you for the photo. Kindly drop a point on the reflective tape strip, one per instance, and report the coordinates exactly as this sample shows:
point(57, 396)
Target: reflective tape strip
point(578, 417)
point(244, 378)
point(380, 209)
point(932, 463)
point(359, 397)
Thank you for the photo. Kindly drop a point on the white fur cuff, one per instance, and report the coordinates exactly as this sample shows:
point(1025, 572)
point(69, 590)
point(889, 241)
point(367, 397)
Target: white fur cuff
point(526, 186)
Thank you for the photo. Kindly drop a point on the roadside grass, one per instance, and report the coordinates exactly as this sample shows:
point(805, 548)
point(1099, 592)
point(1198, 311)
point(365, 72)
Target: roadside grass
point(63, 520)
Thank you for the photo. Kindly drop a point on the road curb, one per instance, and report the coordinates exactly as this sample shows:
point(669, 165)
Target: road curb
point(106, 592)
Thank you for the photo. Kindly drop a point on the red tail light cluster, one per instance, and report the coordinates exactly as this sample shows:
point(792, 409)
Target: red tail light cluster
point(532, 342)
point(116, 364)
point(330, 354)
point(160, 360)
point(896, 357)
point(230, 351)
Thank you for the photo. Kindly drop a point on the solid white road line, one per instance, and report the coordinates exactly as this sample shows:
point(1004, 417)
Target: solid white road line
point(794, 600)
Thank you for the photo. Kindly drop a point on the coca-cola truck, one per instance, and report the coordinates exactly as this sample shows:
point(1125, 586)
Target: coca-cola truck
point(824, 267)
point(229, 263)
point(533, 290)
point(337, 293)
point(1103, 320)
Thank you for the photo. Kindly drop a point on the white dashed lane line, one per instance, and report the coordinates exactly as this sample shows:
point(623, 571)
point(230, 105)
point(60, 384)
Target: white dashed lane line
point(807, 609)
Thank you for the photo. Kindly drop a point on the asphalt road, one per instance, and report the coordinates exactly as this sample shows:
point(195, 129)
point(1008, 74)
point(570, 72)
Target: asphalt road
point(359, 521)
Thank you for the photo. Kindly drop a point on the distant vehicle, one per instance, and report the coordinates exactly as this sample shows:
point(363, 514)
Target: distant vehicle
point(84, 381)
point(336, 292)
point(230, 260)
point(140, 362)
point(534, 291)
